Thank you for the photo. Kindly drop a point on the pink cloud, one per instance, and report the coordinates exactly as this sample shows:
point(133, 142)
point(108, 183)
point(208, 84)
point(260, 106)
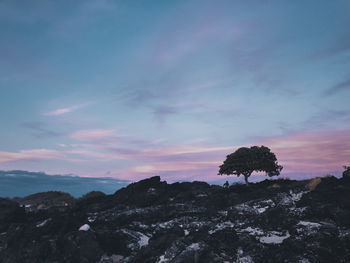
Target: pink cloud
point(33, 154)
point(312, 152)
point(174, 171)
point(156, 154)
point(60, 111)
point(302, 155)
point(197, 162)
point(175, 162)
point(65, 110)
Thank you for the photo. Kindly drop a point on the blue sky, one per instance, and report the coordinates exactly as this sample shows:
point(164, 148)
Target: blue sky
point(130, 89)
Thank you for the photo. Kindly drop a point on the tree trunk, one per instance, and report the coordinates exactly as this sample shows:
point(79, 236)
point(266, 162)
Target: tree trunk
point(246, 179)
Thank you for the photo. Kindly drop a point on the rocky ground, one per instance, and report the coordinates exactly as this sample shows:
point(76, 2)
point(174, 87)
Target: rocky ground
point(152, 221)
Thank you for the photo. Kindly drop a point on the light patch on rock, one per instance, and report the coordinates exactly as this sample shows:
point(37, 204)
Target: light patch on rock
point(262, 206)
point(244, 208)
point(344, 233)
point(186, 232)
point(140, 225)
point(222, 213)
point(197, 224)
point(309, 224)
point(292, 198)
point(254, 207)
point(139, 239)
point(246, 259)
point(143, 240)
point(296, 196)
point(138, 211)
point(194, 246)
point(85, 227)
point(308, 227)
point(241, 258)
point(274, 238)
point(91, 219)
point(221, 226)
point(167, 224)
point(261, 209)
point(252, 231)
point(162, 259)
point(43, 223)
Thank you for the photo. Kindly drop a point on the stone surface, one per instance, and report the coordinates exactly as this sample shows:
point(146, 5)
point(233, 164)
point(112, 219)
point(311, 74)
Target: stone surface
point(152, 221)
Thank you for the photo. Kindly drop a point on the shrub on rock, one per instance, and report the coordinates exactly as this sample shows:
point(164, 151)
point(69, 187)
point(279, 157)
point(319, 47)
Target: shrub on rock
point(346, 173)
point(92, 194)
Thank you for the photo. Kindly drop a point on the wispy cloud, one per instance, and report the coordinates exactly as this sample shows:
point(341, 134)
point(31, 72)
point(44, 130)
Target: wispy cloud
point(338, 46)
point(33, 154)
point(175, 45)
point(339, 87)
point(303, 153)
point(62, 111)
point(334, 118)
point(95, 135)
point(176, 164)
point(40, 129)
point(299, 153)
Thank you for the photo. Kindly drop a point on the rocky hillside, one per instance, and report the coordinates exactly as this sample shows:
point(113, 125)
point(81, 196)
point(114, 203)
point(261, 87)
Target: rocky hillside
point(45, 200)
point(152, 221)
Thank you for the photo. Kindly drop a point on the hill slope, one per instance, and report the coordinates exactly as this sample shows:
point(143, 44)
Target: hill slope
point(152, 221)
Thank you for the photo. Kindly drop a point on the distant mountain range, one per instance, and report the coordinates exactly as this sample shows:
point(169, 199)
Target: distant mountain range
point(23, 183)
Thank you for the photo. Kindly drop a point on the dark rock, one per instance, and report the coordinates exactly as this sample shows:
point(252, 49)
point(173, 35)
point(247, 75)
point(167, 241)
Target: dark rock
point(152, 221)
point(81, 246)
point(10, 212)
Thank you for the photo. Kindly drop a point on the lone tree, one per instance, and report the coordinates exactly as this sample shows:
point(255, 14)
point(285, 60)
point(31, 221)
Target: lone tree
point(247, 160)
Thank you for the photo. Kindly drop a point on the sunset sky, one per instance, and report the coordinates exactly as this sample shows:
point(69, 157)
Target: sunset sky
point(132, 89)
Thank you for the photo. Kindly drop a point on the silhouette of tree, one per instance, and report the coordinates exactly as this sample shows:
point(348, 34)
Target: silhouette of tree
point(346, 173)
point(247, 160)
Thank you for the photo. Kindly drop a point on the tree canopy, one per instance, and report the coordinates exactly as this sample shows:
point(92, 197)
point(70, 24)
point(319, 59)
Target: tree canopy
point(245, 161)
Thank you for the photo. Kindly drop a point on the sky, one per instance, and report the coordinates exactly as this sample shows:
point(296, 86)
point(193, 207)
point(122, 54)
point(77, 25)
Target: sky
point(132, 89)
